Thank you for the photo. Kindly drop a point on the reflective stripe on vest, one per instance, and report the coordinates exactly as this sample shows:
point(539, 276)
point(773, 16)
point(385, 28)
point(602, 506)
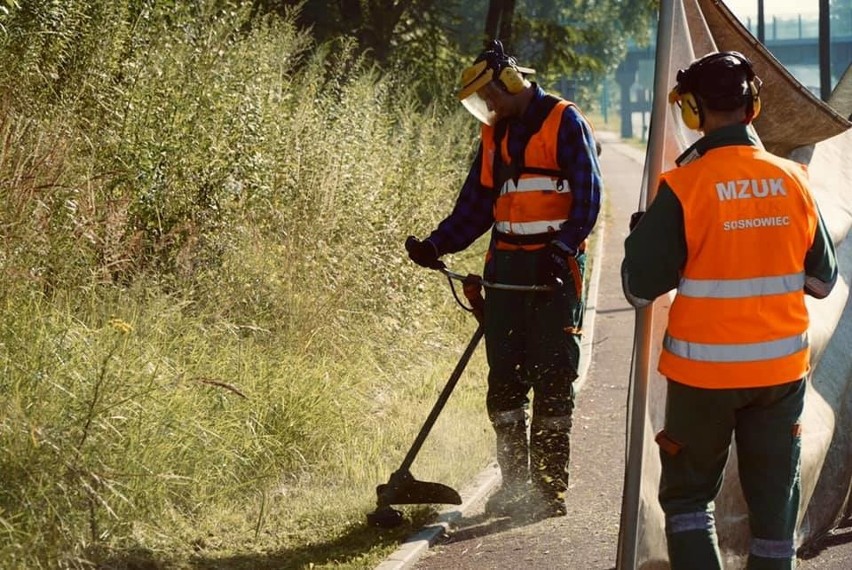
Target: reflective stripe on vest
point(740, 288)
point(528, 228)
point(539, 183)
point(755, 351)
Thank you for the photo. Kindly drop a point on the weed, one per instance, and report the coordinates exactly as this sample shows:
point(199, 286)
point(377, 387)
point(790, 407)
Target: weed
point(212, 346)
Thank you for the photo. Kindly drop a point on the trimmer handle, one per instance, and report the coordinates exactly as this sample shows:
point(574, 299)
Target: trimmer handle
point(503, 286)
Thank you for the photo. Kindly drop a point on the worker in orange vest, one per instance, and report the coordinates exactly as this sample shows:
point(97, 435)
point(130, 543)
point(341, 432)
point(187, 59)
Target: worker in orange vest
point(535, 184)
point(736, 230)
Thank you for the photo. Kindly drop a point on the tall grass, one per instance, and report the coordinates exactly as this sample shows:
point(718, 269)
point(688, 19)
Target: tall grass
point(212, 346)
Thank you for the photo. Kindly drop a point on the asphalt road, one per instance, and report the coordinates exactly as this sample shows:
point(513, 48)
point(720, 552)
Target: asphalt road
point(587, 538)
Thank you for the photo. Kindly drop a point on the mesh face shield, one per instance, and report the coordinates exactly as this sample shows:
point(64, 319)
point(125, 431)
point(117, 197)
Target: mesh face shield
point(477, 107)
point(473, 79)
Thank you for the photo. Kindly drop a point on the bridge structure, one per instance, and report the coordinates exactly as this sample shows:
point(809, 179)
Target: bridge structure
point(797, 49)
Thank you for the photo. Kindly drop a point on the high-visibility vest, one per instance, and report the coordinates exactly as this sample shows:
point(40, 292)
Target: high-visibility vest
point(533, 203)
point(739, 318)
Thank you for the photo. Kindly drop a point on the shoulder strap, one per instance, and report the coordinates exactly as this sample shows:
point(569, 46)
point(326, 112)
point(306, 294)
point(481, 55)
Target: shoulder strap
point(503, 172)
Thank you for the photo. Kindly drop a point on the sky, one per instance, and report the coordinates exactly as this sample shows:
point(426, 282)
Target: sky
point(744, 8)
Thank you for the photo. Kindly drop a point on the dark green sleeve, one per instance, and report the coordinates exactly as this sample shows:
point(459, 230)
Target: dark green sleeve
point(820, 263)
point(655, 251)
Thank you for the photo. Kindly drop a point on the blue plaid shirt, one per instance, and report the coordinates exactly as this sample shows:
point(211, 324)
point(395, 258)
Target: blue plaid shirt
point(473, 213)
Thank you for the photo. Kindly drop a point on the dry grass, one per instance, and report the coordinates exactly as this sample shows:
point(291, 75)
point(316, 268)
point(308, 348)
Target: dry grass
point(212, 345)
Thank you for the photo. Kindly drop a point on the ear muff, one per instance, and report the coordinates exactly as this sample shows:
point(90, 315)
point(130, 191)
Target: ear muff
point(753, 108)
point(690, 111)
point(690, 108)
point(511, 79)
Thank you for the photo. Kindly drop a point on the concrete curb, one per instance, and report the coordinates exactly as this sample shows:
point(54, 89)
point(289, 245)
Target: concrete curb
point(591, 305)
point(418, 544)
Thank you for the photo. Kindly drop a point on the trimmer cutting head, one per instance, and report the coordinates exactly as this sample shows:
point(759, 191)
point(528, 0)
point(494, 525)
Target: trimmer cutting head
point(403, 489)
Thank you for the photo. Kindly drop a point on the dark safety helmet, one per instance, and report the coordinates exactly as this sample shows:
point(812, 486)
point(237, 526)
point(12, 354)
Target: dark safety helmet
point(721, 81)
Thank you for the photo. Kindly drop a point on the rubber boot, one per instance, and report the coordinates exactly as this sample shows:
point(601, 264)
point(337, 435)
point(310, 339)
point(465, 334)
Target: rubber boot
point(550, 451)
point(694, 550)
point(513, 460)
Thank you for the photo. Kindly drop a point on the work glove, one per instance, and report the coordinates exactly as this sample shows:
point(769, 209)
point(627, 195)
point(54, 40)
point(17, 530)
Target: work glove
point(634, 219)
point(561, 264)
point(423, 253)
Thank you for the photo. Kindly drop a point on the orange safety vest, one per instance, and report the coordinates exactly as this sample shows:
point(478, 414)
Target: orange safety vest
point(739, 318)
point(537, 201)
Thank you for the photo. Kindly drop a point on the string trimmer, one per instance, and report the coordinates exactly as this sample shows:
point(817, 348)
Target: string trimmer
point(402, 488)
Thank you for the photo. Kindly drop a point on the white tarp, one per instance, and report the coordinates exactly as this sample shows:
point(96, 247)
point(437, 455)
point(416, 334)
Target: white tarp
point(792, 123)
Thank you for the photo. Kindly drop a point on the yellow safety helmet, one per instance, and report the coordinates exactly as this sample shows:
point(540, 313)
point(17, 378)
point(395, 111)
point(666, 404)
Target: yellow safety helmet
point(719, 80)
point(491, 65)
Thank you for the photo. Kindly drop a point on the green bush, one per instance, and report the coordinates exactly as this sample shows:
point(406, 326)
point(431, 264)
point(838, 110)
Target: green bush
point(208, 326)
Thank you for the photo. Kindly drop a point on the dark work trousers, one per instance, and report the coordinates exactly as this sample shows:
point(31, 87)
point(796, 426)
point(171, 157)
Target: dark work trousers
point(694, 449)
point(532, 342)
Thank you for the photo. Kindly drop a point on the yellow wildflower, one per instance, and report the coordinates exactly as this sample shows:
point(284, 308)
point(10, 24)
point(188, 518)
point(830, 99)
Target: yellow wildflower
point(120, 325)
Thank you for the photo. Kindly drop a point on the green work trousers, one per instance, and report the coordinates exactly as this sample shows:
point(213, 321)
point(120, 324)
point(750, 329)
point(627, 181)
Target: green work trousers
point(694, 448)
point(532, 342)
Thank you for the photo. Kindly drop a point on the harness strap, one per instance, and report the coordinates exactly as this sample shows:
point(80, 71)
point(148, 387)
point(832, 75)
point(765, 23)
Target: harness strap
point(532, 239)
point(525, 239)
point(502, 172)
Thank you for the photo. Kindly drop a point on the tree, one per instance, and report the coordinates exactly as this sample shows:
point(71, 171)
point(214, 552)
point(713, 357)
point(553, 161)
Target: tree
point(498, 22)
point(579, 37)
point(432, 39)
point(378, 26)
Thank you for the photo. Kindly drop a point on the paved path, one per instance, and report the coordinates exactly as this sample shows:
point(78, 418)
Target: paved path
point(587, 538)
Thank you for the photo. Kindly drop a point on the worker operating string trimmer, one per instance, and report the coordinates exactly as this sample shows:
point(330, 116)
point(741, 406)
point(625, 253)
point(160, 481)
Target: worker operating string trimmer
point(536, 184)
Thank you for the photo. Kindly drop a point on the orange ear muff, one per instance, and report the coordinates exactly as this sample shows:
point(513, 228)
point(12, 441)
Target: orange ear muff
point(511, 79)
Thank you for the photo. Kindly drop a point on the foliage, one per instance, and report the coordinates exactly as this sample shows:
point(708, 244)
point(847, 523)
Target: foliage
point(212, 346)
point(581, 39)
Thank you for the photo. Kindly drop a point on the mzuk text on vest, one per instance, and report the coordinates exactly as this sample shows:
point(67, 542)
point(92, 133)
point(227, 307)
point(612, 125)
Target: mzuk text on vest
point(752, 188)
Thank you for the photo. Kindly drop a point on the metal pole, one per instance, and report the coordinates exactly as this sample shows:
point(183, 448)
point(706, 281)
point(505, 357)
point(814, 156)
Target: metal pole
point(628, 535)
point(824, 50)
point(761, 23)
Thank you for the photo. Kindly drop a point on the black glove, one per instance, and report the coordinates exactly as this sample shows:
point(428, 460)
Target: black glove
point(558, 262)
point(561, 265)
point(423, 253)
point(634, 219)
